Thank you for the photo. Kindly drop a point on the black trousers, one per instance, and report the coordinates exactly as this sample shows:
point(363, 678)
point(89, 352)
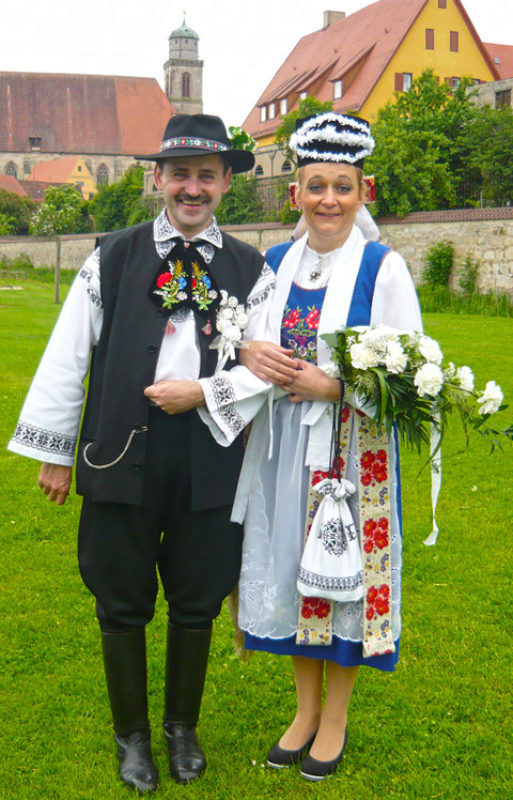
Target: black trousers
point(122, 547)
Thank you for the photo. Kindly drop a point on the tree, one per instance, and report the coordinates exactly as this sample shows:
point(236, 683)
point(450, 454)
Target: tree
point(18, 209)
point(421, 154)
point(117, 205)
point(307, 107)
point(488, 142)
point(241, 203)
point(60, 212)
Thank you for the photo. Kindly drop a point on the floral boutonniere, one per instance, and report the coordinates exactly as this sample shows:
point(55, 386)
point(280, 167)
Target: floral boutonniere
point(231, 321)
point(202, 292)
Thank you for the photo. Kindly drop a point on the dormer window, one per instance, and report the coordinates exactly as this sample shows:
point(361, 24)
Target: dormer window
point(338, 88)
point(283, 107)
point(35, 142)
point(272, 110)
point(263, 113)
point(303, 95)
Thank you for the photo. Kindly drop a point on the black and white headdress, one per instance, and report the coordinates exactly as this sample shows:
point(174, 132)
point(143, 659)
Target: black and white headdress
point(332, 137)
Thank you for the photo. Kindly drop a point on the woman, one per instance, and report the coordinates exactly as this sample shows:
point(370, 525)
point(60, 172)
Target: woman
point(327, 279)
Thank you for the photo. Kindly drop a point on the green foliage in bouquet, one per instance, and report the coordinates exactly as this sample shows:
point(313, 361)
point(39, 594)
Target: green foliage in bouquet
point(400, 380)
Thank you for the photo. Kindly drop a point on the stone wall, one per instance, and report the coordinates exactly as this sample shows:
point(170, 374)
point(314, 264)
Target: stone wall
point(486, 234)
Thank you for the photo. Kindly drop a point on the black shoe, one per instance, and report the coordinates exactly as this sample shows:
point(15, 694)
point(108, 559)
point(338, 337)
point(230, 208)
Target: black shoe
point(314, 770)
point(186, 758)
point(279, 758)
point(136, 765)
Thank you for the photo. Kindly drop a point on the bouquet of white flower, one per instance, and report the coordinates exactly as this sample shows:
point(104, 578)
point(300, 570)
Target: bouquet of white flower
point(402, 378)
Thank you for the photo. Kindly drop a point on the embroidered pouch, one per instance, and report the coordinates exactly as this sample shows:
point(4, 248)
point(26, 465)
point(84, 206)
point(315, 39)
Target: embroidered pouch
point(331, 566)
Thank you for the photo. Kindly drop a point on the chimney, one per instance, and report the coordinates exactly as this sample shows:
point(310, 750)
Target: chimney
point(332, 16)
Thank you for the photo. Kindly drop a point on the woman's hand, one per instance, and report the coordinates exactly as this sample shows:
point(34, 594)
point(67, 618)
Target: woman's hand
point(311, 383)
point(269, 362)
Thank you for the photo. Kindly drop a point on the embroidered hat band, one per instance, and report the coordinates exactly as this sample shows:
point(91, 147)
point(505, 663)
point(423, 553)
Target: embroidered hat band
point(332, 137)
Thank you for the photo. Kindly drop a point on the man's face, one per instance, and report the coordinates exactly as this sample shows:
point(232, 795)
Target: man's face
point(192, 188)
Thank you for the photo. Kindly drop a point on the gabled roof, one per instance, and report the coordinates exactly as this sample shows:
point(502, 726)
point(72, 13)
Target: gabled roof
point(36, 189)
point(57, 170)
point(359, 46)
point(8, 183)
point(83, 114)
point(502, 57)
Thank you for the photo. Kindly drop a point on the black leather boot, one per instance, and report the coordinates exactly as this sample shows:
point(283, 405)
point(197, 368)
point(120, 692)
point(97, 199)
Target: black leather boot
point(186, 666)
point(124, 658)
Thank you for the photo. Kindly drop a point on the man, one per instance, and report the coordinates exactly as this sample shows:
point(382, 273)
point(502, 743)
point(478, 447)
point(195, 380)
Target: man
point(148, 312)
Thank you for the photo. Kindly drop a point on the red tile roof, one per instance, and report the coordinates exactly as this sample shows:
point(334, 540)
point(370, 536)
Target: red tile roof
point(56, 170)
point(36, 189)
point(504, 54)
point(82, 113)
point(10, 184)
point(357, 47)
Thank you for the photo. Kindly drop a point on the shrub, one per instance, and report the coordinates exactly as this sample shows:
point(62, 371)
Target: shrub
point(468, 278)
point(438, 263)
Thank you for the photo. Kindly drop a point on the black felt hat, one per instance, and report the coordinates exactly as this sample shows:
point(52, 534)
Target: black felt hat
point(332, 137)
point(199, 135)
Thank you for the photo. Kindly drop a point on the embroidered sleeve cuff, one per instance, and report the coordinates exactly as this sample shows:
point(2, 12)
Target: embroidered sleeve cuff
point(43, 445)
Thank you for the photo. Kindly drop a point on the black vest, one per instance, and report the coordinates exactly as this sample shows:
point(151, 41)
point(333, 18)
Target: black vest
point(124, 362)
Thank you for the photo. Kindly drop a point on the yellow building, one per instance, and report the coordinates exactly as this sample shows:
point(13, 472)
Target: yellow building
point(70, 169)
point(359, 61)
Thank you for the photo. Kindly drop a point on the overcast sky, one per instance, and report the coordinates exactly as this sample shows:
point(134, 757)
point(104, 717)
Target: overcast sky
point(242, 43)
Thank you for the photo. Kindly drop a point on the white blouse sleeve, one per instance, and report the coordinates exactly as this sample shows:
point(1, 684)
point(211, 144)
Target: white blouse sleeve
point(48, 426)
point(233, 397)
point(395, 300)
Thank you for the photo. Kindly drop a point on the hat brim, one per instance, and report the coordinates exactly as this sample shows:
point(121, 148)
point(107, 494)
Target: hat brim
point(239, 160)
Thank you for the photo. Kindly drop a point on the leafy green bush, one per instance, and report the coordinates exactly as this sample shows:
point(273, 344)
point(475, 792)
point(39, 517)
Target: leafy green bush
point(438, 263)
point(18, 211)
point(241, 203)
point(468, 278)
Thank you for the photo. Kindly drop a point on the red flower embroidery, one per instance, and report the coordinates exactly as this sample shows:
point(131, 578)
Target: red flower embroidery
point(312, 319)
point(375, 466)
point(315, 607)
point(381, 456)
point(378, 601)
point(375, 534)
point(320, 475)
point(345, 414)
point(367, 459)
point(194, 283)
point(164, 278)
point(292, 319)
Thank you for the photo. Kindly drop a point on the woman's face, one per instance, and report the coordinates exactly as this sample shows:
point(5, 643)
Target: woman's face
point(329, 196)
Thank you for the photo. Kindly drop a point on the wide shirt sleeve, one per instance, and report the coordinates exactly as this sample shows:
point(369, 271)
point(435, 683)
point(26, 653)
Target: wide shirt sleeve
point(49, 422)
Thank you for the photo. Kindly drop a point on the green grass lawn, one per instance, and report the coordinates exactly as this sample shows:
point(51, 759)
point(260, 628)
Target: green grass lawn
point(440, 727)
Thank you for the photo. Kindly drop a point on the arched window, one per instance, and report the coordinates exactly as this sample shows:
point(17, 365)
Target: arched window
point(259, 170)
point(11, 169)
point(186, 85)
point(102, 175)
point(286, 167)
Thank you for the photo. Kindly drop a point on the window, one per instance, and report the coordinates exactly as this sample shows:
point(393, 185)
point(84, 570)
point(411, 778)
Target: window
point(403, 81)
point(454, 41)
point(79, 168)
point(186, 85)
point(442, 3)
point(283, 107)
point(337, 90)
point(430, 39)
point(102, 175)
point(263, 114)
point(272, 110)
point(285, 167)
point(503, 98)
point(259, 170)
point(35, 142)
point(303, 95)
point(11, 169)
point(455, 82)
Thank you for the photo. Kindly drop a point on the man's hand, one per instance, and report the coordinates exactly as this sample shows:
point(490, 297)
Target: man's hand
point(269, 362)
point(55, 480)
point(173, 397)
point(312, 383)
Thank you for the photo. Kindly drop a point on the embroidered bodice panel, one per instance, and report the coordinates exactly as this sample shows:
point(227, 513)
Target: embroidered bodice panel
point(300, 321)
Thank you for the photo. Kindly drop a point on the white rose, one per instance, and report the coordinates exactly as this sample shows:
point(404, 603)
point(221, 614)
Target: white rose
point(491, 399)
point(224, 297)
point(241, 319)
point(465, 377)
point(225, 314)
point(428, 380)
point(430, 350)
point(233, 302)
point(395, 358)
point(231, 332)
point(363, 357)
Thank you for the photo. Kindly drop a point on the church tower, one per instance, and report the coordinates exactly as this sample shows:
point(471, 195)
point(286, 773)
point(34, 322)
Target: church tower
point(183, 72)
